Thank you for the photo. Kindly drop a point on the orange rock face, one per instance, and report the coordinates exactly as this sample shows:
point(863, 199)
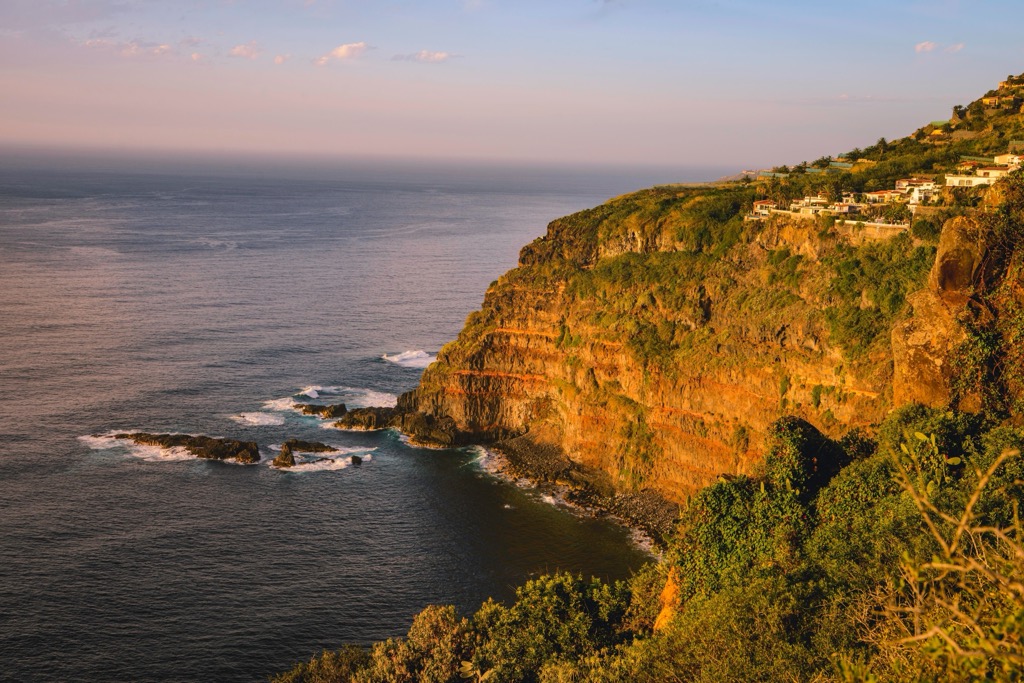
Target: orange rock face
point(663, 367)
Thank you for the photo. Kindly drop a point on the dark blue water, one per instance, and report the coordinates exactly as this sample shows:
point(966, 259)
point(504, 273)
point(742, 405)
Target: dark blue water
point(191, 302)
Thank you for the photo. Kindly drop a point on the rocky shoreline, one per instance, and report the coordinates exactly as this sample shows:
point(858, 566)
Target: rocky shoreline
point(545, 466)
point(585, 489)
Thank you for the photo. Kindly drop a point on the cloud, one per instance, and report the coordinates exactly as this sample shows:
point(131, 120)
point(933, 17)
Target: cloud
point(342, 53)
point(425, 56)
point(248, 50)
point(130, 49)
point(196, 57)
point(954, 48)
point(926, 46)
point(281, 59)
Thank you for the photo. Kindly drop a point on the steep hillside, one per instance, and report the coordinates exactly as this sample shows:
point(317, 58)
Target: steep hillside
point(656, 337)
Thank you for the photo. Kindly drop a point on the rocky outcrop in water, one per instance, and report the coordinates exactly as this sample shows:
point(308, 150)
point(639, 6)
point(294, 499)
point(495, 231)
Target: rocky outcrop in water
point(328, 412)
point(369, 419)
point(285, 458)
point(207, 447)
point(288, 449)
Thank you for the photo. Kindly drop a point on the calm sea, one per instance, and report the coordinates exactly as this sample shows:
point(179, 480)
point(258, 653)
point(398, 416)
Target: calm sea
point(205, 301)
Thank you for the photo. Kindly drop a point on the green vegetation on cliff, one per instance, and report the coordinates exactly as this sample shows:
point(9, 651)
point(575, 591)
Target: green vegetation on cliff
point(822, 567)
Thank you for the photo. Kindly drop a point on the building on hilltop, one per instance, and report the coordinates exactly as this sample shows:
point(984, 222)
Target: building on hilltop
point(883, 196)
point(994, 171)
point(968, 180)
point(1011, 159)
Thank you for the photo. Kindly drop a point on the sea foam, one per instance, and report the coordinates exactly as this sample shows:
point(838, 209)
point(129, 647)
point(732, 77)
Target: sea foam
point(320, 462)
point(411, 359)
point(105, 442)
point(257, 419)
point(353, 397)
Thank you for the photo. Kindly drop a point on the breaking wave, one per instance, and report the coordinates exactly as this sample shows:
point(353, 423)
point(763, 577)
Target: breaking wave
point(258, 419)
point(107, 442)
point(411, 359)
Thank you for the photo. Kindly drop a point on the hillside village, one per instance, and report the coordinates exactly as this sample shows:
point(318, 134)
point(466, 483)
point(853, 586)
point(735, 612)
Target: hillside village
point(893, 209)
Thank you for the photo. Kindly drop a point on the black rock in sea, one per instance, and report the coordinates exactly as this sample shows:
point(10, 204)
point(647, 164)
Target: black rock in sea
point(368, 419)
point(285, 458)
point(327, 412)
point(307, 446)
point(207, 447)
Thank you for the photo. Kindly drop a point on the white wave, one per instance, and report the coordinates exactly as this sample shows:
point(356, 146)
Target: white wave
point(329, 464)
point(339, 450)
point(489, 461)
point(258, 419)
point(280, 404)
point(364, 398)
point(104, 442)
point(353, 397)
point(411, 359)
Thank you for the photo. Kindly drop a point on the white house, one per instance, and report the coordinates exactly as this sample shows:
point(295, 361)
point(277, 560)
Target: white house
point(968, 180)
point(906, 185)
point(764, 207)
point(922, 195)
point(845, 209)
point(1010, 159)
point(810, 206)
point(994, 171)
point(882, 196)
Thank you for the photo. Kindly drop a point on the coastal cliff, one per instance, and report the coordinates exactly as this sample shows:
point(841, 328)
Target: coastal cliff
point(839, 402)
point(654, 340)
point(621, 340)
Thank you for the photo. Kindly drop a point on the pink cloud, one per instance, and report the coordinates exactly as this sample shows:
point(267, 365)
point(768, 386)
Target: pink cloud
point(426, 56)
point(130, 49)
point(955, 48)
point(248, 50)
point(281, 59)
point(342, 52)
point(926, 46)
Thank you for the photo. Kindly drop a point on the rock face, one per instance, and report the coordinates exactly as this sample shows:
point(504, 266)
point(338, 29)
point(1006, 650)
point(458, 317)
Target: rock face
point(245, 452)
point(369, 419)
point(631, 343)
point(327, 412)
point(924, 342)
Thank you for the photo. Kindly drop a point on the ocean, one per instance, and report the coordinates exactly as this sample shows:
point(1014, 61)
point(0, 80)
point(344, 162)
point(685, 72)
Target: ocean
point(207, 299)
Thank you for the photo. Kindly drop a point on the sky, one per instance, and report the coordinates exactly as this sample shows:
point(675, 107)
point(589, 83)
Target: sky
point(612, 82)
